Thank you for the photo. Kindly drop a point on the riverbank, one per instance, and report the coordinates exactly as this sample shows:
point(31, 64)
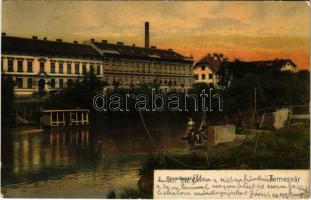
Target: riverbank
point(283, 149)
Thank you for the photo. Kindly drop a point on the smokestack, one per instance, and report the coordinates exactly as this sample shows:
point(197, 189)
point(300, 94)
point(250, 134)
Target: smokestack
point(146, 34)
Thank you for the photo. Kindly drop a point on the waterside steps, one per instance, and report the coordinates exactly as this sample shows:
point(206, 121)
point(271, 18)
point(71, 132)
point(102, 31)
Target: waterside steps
point(70, 117)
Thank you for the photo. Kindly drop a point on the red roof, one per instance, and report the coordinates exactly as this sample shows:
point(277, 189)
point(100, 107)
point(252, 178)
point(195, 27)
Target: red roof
point(213, 62)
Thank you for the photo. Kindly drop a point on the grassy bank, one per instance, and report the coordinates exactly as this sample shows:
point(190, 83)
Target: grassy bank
point(284, 149)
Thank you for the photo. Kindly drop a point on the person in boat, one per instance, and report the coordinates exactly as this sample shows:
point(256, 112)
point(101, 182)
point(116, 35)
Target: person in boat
point(193, 137)
point(190, 131)
point(190, 128)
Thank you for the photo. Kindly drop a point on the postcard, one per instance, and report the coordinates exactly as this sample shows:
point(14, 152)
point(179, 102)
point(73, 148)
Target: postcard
point(155, 99)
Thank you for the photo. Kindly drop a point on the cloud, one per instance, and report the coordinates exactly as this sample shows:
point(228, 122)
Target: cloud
point(221, 24)
point(267, 26)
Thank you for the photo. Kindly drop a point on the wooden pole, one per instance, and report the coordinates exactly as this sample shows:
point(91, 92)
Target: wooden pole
point(262, 120)
point(255, 96)
point(51, 119)
point(87, 118)
point(63, 118)
point(57, 119)
point(82, 118)
point(77, 118)
point(70, 118)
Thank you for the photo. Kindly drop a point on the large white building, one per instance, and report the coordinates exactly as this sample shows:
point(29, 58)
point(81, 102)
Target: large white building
point(41, 65)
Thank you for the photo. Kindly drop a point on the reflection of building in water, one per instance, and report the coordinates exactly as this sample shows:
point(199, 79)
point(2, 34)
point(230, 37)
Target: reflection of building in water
point(72, 138)
point(53, 149)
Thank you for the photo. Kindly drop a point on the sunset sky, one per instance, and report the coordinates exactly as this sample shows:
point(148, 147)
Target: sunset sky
point(245, 30)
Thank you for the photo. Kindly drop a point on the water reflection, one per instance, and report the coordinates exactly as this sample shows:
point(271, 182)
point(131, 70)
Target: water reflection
point(82, 162)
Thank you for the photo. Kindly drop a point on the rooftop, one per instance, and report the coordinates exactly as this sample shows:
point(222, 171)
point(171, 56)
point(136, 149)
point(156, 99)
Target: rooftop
point(120, 49)
point(213, 60)
point(276, 63)
point(12, 44)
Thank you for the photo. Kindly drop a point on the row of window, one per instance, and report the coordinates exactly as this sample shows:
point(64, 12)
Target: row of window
point(132, 63)
point(30, 83)
point(131, 66)
point(164, 90)
point(162, 71)
point(203, 76)
point(42, 69)
point(52, 82)
point(134, 80)
point(169, 68)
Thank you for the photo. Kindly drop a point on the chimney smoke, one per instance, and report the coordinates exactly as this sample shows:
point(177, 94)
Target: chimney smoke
point(147, 35)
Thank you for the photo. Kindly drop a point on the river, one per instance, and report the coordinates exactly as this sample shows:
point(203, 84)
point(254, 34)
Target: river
point(83, 163)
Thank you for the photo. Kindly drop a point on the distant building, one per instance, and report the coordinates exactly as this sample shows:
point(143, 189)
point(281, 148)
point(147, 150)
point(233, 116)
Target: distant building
point(205, 70)
point(128, 65)
point(272, 65)
point(282, 64)
point(42, 65)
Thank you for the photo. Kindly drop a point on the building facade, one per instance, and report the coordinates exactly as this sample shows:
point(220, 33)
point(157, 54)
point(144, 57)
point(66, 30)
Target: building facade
point(45, 66)
point(39, 65)
point(205, 70)
point(127, 66)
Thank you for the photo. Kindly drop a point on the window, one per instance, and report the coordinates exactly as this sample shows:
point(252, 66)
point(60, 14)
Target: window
point(61, 83)
point(20, 65)
point(52, 67)
point(84, 69)
point(203, 76)
point(98, 69)
point(210, 76)
point(19, 82)
point(60, 68)
point(203, 67)
point(68, 68)
point(77, 66)
point(52, 83)
point(29, 66)
point(196, 77)
point(42, 67)
point(91, 67)
point(10, 65)
point(29, 83)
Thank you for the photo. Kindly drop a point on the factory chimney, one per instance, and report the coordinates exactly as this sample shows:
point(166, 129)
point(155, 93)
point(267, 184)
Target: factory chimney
point(146, 34)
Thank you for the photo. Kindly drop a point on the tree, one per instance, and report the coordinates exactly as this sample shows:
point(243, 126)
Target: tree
point(80, 94)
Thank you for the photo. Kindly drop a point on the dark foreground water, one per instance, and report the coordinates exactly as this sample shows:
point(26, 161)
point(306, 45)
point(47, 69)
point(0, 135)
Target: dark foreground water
point(84, 163)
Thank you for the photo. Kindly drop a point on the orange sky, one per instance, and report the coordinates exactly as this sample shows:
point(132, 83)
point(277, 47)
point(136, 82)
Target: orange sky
point(245, 30)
